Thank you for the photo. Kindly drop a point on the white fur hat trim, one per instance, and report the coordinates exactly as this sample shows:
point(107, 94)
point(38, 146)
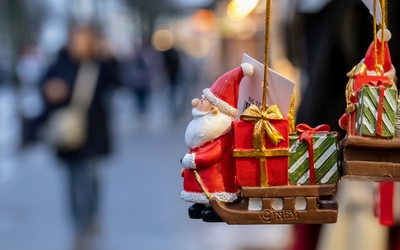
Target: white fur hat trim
point(222, 105)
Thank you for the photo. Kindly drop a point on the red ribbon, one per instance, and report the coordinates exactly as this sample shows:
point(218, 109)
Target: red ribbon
point(379, 122)
point(382, 85)
point(386, 208)
point(307, 134)
point(382, 82)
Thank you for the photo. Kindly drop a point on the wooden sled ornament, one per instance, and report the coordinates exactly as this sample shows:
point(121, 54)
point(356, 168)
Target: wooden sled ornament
point(371, 159)
point(316, 211)
point(271, 171)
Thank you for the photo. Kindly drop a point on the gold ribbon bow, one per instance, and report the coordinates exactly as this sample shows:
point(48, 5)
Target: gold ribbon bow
point(360, 68)
point(262, 124)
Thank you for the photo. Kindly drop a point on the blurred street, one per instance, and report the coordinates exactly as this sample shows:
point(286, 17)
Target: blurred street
point(141, 205)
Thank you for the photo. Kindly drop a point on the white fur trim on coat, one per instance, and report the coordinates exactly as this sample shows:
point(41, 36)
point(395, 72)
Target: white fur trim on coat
point(391, 73)
point(248, 69)
point(222, 105)
point(201, 197)
point(188, 161)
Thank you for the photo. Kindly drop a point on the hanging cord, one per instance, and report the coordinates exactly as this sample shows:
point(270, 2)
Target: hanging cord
point(375, 40)
point(379, 65)
point(383, 26)
point(266, 50)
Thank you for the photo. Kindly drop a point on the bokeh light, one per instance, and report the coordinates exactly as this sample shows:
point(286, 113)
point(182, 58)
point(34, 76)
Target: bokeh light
point(163, 40)
point(203, 20)
point(239, 9)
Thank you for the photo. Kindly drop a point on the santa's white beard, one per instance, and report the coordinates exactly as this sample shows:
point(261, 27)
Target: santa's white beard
point(206, 127)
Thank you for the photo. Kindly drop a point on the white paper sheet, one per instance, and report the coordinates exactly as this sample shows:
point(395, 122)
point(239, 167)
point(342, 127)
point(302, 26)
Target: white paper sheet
point(370, 6)
point(280, 89)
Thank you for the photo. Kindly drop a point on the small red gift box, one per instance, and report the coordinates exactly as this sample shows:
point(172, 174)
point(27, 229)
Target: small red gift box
point(359, 81)
point(247, 159)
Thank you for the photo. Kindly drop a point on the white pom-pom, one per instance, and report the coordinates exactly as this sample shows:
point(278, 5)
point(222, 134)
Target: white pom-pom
point(387, 35)
point(248, 69)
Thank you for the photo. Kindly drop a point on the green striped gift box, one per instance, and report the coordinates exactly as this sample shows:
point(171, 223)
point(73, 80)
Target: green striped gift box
point(326, 159)
point(367, 112)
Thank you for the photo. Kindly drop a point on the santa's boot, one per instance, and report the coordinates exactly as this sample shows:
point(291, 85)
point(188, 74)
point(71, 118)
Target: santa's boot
point(195, 210)
point(209, 215)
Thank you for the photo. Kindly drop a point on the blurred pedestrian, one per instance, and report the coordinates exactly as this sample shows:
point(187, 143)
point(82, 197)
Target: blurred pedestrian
point(79, 80)
point(173, 65)
point(135, 74)
point(29, 70)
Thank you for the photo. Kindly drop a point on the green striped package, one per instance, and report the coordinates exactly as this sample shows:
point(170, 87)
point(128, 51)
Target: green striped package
point(326, 159)
point(367, 112)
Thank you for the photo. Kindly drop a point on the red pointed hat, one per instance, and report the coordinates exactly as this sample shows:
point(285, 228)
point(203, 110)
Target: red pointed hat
point(369, 56)
point(224, 92)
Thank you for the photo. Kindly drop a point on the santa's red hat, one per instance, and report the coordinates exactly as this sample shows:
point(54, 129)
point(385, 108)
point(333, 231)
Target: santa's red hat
point(225, 90)
point(369, 59)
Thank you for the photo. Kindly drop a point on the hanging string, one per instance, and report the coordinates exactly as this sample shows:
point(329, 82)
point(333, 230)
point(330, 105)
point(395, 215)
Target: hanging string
point(266, 50)
point(379, 64)
point(375, 41)
point(383, 26)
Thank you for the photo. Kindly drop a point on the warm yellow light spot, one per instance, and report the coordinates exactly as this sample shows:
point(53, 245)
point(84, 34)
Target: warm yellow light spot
point(240, 9)
point(163, 40)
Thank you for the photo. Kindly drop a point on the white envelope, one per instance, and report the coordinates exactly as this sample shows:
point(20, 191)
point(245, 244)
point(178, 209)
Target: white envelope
point(280, 89)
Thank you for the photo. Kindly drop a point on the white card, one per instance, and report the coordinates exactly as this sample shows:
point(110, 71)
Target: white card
point(280, 89)
point(370, 6)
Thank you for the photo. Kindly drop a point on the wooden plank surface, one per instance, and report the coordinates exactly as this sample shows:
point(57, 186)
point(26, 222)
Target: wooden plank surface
point(371, 142)
point(289, 191)
point(371, 159)
point(371, 171)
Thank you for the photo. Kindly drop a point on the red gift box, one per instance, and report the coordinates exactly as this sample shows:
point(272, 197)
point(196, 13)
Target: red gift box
point(359, 81)
point(248, 169)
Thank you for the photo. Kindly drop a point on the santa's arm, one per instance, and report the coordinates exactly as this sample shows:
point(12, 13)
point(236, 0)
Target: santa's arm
point(203, 159)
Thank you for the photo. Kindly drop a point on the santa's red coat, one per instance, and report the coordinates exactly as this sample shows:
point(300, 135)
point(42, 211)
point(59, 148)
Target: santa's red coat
point(215, 165)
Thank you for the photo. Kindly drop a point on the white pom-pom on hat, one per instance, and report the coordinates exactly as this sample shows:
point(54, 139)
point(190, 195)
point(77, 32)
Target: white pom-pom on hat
point(248, 69)
point(387, 35)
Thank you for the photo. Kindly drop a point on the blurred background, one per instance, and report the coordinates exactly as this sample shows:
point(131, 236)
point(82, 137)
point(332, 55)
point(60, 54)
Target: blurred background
point(164, 53)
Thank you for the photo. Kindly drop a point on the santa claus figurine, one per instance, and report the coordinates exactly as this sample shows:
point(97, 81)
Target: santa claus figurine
point(209, 166)
point(367, 67)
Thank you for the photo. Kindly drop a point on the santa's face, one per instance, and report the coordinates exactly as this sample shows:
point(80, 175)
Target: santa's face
point(207, 125)
point(202, 104)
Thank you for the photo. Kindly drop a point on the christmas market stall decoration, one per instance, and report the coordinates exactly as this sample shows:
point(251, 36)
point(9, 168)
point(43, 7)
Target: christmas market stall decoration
point(370, 149)
point(372, 120)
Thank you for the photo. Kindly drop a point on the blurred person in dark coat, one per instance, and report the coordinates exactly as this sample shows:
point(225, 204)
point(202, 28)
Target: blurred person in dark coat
point(82, 163)
point(172, 65)
point(135, 73)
